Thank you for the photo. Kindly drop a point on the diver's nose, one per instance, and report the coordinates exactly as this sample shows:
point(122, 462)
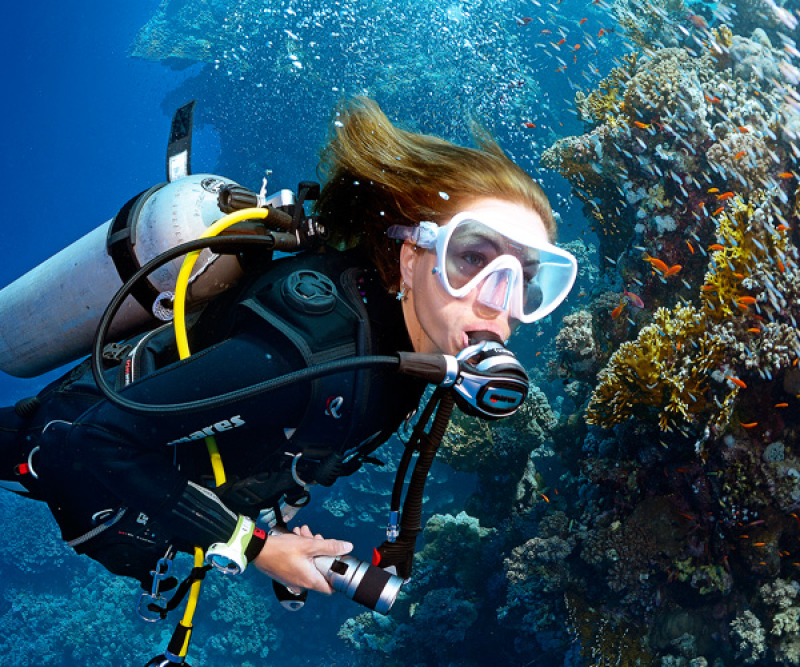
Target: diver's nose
point(495, 290)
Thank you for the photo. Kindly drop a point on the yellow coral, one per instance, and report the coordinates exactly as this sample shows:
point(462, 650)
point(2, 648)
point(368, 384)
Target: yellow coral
point(605, 641)
point(746, 245)
point(605, 105)
point(723, 36)
point(664, 370)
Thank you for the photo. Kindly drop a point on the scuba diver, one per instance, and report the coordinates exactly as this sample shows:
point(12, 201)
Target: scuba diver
point(421, 260)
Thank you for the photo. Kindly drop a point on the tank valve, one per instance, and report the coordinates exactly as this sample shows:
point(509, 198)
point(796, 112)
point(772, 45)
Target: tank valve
point(236, 198)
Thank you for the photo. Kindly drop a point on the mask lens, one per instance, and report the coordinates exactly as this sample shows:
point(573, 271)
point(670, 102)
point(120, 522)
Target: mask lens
point(473, 246)
point(512, 268)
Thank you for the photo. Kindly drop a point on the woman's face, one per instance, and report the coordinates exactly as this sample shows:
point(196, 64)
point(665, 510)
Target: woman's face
point(439, 322)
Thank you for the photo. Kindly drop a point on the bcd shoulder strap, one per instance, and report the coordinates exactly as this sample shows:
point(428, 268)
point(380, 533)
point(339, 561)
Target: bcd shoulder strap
point(313, 301)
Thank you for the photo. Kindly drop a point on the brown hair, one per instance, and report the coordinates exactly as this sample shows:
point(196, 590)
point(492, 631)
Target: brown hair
point(378, 175)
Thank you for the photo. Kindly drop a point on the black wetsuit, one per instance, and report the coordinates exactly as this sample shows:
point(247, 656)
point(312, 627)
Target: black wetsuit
point(96, 460)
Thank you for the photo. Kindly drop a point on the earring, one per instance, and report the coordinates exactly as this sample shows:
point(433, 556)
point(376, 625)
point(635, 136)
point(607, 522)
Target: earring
point(402, 293)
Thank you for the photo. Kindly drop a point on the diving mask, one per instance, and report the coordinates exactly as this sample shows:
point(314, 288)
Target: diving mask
point(512, 268)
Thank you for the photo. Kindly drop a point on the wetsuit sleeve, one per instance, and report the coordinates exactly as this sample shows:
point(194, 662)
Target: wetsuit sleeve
point(155, 464)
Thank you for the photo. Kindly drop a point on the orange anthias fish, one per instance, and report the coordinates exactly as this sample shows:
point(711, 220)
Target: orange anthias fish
point(657, 264)
point(725, 196)
point(641, 126)
point(529, 124)
point(618, 310)
point(739, 383)
point(582, 21)
point(740, 155)
point(746, 300)
point(785, 175)
point(672, 270)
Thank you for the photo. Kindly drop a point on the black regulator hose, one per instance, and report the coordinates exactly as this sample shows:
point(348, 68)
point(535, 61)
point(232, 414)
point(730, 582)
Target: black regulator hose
point(411, 518)
point(399, 553)
point(219, 244)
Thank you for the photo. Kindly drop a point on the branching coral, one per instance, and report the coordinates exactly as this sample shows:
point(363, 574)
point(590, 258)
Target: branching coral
point(646, 23)
point(666, 371)
point(605, 104)
point(743, 157)
point(665, 86)
point(749, 636)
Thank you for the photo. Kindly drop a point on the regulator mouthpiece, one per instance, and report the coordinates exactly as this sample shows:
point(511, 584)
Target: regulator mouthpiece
point(492, 383)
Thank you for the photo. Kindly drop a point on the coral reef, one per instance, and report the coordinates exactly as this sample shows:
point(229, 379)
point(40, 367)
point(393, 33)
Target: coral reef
point(666, 371)
point(578, 356)
point(687, 483)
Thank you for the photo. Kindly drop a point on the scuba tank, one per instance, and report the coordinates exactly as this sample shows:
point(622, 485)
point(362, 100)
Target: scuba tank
point(50, 315)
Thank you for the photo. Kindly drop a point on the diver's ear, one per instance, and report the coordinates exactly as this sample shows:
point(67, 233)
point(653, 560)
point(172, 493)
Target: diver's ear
point(408, 262)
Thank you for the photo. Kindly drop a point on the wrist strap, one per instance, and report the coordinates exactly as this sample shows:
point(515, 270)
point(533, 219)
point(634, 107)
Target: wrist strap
point(258, 539)
point(242, 548)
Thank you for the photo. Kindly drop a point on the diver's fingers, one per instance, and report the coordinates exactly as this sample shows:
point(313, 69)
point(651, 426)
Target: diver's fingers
point(303, 531)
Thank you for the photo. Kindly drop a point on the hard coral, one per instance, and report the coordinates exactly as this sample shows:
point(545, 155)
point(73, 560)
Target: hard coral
point(578, 355)
point(663, 85)
point(665, 370)
point(605, 104)
point(753, 259)
point(749, 636)
point(743, 157)
point(604, 641)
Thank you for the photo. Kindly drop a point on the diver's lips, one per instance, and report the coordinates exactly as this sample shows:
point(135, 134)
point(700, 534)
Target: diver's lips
point(493, 331)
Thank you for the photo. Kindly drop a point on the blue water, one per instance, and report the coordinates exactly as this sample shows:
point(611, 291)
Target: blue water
point(573, 572)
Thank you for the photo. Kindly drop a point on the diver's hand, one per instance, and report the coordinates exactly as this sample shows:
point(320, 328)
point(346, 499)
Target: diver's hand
point(288, 558)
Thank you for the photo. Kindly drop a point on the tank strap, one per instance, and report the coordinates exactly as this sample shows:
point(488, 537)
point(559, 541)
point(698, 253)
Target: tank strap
point(120, 247)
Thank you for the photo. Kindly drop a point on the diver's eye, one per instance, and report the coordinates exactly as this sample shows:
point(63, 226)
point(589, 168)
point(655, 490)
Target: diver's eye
point(476, 260)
